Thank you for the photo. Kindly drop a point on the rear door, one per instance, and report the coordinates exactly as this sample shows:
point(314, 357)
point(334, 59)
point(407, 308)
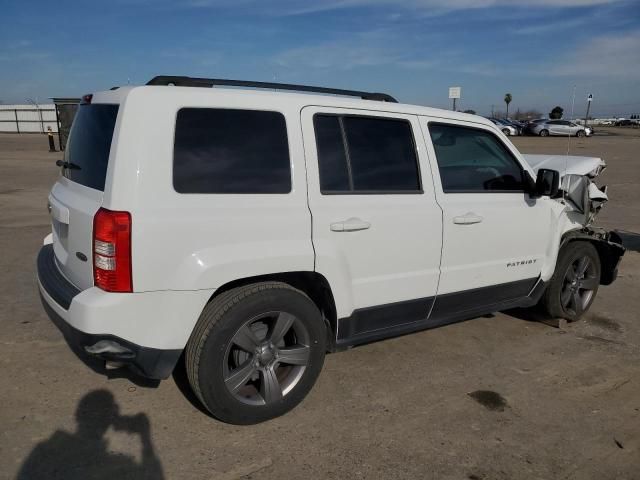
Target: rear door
point(376, 225)
point(78, 194)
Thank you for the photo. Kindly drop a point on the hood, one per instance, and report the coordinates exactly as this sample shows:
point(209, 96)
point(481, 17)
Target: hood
point(567, 164)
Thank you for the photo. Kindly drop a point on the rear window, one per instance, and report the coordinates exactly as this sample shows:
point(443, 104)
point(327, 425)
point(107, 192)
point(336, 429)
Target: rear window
point(89, 144)
point(231, 151)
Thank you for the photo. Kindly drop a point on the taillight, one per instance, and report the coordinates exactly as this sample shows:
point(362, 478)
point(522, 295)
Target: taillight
point(112, 251)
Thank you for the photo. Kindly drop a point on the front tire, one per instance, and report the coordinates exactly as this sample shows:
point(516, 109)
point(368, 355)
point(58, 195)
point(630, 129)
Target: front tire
point(574, 284)
point(544, 133)
point(506, 131)
point(256, 352)
point(580, 133)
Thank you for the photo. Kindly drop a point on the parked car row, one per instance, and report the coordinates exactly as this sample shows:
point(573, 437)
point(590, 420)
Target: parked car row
point(508, 127)
point(542, 127)
point(627, 123)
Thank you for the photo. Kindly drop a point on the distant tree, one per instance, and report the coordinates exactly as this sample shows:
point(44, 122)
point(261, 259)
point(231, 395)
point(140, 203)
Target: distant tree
point(507, 100)
point(472, 112)
point(556, 113)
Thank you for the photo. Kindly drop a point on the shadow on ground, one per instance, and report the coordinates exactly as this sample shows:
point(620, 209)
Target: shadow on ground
point(83, 454)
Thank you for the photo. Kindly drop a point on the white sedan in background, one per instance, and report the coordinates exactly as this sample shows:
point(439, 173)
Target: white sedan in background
point(560, 127)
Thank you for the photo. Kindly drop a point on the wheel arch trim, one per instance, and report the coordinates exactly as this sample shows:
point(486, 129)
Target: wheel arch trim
point(608, 244)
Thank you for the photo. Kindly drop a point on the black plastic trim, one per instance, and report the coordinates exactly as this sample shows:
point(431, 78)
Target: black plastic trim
point(385, 321)
point(56, 285)
point(474, 299)
point(382, 317)
point(147, 362)
point(180, 81)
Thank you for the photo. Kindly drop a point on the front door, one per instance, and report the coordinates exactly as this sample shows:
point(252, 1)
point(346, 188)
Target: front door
point(495, 236)
point(377, 229)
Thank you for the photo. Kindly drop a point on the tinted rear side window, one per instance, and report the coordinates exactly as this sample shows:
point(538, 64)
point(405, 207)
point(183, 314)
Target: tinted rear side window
point(366, 154)
point(89, 144)
point(382, 154)
point(231, 151)
point(334, 174)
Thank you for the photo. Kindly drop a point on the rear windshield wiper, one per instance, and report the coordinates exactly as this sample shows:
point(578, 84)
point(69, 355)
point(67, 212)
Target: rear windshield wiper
point(69, 165)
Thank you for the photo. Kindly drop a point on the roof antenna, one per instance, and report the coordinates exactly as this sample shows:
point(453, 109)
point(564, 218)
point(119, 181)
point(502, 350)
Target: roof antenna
point(566, 158)
point(573, 103)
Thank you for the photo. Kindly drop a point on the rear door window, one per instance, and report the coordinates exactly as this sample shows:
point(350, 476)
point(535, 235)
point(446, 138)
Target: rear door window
point(87, 151)
point(231, 151)
point(359, 154)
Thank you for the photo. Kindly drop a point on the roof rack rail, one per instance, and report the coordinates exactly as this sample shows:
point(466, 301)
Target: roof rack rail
point(211, 82)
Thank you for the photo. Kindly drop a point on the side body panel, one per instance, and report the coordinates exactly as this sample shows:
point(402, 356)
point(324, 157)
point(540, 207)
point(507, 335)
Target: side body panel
point(202, 241)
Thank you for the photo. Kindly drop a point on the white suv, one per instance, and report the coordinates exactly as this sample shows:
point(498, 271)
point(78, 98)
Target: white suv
point(250, 231)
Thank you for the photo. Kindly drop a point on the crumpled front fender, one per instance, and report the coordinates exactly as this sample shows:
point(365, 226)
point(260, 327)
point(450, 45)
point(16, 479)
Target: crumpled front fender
point(609, 247)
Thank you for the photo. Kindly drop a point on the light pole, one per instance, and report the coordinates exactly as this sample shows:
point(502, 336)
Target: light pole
point(586, 117)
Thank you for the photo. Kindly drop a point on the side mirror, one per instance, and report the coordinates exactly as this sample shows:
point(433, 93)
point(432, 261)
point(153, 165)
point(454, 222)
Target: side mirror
point(547, 182)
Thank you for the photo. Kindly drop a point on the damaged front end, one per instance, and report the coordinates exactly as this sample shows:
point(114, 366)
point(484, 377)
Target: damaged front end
point(577, 187)
point(608, 245)
point(583, 200)
point(583, 196)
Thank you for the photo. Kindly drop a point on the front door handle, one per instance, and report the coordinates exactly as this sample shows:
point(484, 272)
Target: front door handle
point(467, 219)
point(350, 225)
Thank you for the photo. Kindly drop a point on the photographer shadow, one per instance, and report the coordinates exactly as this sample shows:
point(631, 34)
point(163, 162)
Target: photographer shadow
point(84, 454)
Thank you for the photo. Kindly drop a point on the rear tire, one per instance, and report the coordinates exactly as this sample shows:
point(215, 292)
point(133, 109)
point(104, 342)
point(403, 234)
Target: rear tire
point(544, 133)
point(256, 352)
point(574, 283)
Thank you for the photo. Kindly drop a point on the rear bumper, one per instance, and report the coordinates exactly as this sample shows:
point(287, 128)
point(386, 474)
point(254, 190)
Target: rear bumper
point(109, 326)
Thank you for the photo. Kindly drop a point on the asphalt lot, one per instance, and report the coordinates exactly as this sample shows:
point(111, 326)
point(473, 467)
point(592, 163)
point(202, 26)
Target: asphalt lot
point(553, 403)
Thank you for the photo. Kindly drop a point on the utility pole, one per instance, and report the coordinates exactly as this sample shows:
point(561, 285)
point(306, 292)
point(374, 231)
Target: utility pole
point(492, 111)
point(586, 117)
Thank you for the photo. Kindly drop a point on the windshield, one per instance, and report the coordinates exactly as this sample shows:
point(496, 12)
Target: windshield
point(87, 152)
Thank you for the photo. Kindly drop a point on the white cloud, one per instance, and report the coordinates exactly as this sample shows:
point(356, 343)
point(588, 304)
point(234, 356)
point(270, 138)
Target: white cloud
point(295, 7)
point(338, 55)
point(612, 56)
point(552, 27)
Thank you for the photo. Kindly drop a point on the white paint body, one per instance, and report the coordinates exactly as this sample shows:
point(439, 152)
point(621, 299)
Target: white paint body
point(185, 247)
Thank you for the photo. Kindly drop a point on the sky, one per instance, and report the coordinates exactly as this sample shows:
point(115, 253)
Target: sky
point(540, 51)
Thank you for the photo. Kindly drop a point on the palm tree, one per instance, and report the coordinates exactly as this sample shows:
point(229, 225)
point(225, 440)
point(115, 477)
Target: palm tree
point(507, 100)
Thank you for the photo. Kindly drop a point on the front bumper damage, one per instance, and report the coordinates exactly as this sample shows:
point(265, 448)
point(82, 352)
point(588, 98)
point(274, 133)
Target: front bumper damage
point(609, 247)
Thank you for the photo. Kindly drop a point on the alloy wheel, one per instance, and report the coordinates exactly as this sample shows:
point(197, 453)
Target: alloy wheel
point(578, 285)
point(266, 358)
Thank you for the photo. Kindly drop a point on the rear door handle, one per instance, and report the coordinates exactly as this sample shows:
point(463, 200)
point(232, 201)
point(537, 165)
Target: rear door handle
point(350, 225)
point(467, 219)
